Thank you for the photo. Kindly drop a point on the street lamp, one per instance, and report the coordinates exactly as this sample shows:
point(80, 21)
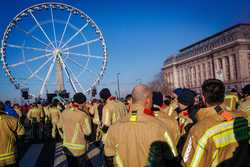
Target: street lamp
point(118, 85)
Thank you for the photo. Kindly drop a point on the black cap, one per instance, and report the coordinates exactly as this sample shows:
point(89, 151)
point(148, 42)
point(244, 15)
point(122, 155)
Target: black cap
point(105, 93)
point(246, 90)
point(157, 98)
point(79, 98)
point(186, 97)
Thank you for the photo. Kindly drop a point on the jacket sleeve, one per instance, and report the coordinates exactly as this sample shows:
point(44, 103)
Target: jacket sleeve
point(107, 116)
point(86, 125)
point(109, 146)
point(20, 129)
point(188, 150)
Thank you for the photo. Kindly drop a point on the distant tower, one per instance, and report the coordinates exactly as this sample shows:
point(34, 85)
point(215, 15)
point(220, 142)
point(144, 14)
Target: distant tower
point(59, 75)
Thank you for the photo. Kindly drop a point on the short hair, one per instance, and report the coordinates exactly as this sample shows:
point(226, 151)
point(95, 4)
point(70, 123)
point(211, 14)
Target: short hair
point(1, 106)
point(104, 93)
point(128, 97)
point(168, 100)
point(214, 91)
point(79, 98)
point(157, 98)
point(246, 90)
point(140, 93)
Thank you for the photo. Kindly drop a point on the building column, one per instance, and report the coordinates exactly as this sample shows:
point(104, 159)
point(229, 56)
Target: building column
point(232, 67)
point(202, 72)
point(197, 75)
point(224, 69)
point(175, 77)
point(184, 77)
point(207, 70)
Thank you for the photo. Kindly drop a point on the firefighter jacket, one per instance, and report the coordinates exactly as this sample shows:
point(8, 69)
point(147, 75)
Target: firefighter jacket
point(129, 140)
point(217, 139)
point(35, 113)
point(75, 124)
point(245, 105)
point(54, 114)
point(231, 102)
point(10, 128)
point(113, 111)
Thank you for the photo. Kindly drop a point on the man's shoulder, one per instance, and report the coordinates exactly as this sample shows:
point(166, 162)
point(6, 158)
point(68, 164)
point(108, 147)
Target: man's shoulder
point(8, 118)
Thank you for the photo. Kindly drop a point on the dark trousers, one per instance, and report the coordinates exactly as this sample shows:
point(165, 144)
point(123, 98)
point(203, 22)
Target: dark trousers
point(76, 161)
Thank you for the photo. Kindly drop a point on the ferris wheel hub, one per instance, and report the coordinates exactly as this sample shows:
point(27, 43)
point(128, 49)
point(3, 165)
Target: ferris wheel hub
point(57, 52)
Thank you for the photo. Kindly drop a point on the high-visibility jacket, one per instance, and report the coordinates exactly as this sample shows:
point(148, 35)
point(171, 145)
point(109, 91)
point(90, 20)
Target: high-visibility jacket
point(245, 105)
point(170, 122)
point(36, 113)
point(217, 140)
point(113, 111)
point(129, 140)
point(230, 102)
point(54, 115)
point(75, 125)
point(9, 129)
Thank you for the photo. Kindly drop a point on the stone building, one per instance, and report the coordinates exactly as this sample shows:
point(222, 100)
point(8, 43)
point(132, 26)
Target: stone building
point(225, 56)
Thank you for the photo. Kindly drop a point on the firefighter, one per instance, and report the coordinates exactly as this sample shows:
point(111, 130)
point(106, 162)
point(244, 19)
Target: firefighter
point(231, 101)
point(218, 138)
point(54, 115)
point(245, 104)
point(158, 109)
point(36, 115)
point(128, 102)
point(10, 129)
point(113, 110)
point(76, 127)
point(128, 140)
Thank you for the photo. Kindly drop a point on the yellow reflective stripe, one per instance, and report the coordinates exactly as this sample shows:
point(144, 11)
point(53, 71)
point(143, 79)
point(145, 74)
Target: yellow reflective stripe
point(74, 146)
point(7, 156)
point(87, 125)
point(73, 140)
point(210, 132)
point(171, 144)
point(106, 117)
point(228, 137)
point(215, 158)
point(118, 159)
point(170, 111)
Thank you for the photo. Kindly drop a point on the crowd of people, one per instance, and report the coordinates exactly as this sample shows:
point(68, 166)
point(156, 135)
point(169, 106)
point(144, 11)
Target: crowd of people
point(148, 128)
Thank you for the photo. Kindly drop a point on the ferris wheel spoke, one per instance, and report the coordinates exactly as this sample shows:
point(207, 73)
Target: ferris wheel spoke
point(44, 33)
point(82, 44)
point(53, 25)
point(83, 67)
point(45, 81)
point(66, 25)
point(39, 69)
point(30, 60)
point(82, 28)
point(74, 77)
point(84, 55)
point(32, 36)
point(28, 48)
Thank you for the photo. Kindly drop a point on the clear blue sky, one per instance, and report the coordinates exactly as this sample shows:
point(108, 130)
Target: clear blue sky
point(140, 35)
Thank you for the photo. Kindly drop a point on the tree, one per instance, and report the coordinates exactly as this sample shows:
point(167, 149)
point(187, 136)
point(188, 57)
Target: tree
point(160, 84)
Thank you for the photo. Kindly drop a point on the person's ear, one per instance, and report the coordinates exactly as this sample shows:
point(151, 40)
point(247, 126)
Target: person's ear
point(147, 101)
point(203, 99)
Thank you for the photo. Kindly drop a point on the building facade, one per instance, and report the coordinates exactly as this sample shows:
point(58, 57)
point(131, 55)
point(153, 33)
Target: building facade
point(225, 56)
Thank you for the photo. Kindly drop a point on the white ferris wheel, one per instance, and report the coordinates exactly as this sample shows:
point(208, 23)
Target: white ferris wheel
point(53, 46)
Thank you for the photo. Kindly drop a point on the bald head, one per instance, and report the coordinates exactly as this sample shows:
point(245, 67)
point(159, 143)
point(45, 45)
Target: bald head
point(141, 93)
